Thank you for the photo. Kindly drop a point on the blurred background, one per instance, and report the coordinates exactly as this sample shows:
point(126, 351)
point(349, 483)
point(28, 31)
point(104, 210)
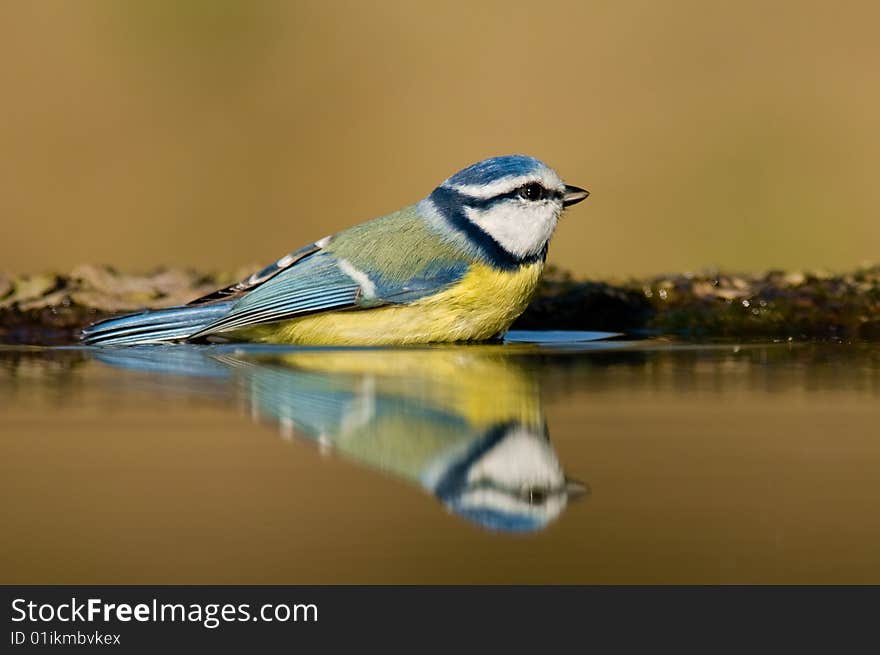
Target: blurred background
point(216, 134)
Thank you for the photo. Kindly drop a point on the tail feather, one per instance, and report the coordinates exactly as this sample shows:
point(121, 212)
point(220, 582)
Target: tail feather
point(171, 324)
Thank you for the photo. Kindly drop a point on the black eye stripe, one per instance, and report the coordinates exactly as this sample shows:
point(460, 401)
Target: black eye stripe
point(485, 203)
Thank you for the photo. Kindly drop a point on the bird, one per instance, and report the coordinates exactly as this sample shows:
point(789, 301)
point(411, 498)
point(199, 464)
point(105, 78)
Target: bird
point(459, 265)
point(422, 415)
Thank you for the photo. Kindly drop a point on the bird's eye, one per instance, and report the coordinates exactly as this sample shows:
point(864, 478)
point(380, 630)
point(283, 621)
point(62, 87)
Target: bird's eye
point(536, 495)
point(531, 191)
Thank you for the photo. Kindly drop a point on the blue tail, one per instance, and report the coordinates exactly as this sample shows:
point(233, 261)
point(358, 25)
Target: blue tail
point(171, 324)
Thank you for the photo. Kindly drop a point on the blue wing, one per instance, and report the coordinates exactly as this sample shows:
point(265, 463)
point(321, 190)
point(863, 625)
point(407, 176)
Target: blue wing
point(322, 282)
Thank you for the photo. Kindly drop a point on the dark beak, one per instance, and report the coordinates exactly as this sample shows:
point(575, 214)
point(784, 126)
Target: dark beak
point(573, 195)
point(576, 488)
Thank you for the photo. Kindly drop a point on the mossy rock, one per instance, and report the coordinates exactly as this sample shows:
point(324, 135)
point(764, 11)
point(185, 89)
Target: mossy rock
point(51, 308)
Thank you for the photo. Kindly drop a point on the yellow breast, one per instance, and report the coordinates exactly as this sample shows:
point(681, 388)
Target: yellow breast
point(483, 304)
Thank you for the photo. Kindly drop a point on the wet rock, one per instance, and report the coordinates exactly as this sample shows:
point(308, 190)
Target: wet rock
point(51, 308)
point(562, 303)
point(774, 305)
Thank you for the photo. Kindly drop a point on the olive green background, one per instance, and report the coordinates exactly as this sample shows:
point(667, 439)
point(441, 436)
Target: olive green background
point(214, 134)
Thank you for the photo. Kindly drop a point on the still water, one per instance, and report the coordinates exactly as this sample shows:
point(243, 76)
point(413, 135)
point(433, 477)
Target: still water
point(562, 461)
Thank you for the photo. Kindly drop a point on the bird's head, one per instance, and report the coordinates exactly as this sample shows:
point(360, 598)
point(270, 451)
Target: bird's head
point(510, 481)
point(510, 203)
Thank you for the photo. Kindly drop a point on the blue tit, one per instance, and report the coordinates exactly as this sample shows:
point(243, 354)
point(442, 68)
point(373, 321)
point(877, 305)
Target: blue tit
point(425, 416)
point(460, 265)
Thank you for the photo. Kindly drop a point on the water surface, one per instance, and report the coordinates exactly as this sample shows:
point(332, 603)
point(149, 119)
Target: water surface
point(560, 461)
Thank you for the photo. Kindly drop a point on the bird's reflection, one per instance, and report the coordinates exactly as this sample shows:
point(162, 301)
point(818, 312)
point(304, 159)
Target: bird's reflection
point(463, 423)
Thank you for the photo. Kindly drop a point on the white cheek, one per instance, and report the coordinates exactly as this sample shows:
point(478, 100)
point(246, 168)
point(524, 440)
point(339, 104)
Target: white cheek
point(521, 229)
point(523, 458)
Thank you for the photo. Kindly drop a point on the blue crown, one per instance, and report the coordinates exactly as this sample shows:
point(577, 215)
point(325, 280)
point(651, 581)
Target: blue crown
point(496, 168)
